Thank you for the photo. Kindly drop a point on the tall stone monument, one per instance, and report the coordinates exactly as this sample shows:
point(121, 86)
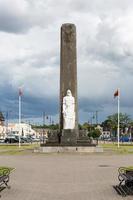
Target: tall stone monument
point(69, 138)
point(68, 85)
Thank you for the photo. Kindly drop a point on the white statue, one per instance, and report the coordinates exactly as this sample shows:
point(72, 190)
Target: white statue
point(68, 111)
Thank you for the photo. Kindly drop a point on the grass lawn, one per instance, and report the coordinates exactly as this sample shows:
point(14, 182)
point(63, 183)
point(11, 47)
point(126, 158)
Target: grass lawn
point(5, 170)
point(16, 146)
point(12, 149)
point(124, 148)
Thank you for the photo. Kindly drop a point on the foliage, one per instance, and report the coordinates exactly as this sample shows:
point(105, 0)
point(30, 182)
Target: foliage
point(86, 126)
point(107, 124)
point(94, 133)
point(113, 147)
point(80, 126)
point(112, 121)
point(52, 126)
point(3, 170)
point(16, 150)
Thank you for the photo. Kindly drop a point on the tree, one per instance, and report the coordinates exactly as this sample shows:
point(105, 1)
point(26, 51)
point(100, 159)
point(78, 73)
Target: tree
point(80, 126)
point(112, 122)
point(52, 126)
point(124, 119)
point(107, 125)
point(94, 133)
point(86, 126)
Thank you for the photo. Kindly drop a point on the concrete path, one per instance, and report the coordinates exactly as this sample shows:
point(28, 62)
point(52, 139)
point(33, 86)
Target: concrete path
point(64, 176)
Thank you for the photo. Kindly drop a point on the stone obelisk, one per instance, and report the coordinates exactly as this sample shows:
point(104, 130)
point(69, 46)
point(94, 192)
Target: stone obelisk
point(68, 76)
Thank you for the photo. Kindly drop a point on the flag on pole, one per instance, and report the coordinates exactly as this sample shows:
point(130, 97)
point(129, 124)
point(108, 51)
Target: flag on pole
point(20, 92)
point(117, 93)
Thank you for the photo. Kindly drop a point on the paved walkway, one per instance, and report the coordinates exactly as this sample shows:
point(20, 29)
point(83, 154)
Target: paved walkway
point(64, 177)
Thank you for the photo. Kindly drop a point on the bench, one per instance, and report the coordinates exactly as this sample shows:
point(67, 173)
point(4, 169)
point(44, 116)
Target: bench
point(4, 178)
point(125, 177)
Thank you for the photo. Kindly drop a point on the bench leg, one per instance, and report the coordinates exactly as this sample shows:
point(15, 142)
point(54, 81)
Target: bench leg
point(6, 184)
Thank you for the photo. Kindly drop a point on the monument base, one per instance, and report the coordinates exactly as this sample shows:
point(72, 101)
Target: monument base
point(69, 136)
point(69, 149)
point(74, 138)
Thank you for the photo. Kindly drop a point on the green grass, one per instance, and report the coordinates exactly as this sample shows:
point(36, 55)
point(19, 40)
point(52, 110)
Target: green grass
point(123, 149)
point(4, 170)
point(15, 146)
point(14, 149)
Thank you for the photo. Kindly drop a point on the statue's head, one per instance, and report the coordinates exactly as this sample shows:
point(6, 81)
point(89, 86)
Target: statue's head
point(69, 93)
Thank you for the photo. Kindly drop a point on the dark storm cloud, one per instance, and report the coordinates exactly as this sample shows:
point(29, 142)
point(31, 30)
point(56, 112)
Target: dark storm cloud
point(91, 105)
point(32, 107)
point(105, 54)
point(13, 24)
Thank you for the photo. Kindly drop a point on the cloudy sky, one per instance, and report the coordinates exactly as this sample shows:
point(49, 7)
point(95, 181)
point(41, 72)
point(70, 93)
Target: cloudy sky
point(30, 55)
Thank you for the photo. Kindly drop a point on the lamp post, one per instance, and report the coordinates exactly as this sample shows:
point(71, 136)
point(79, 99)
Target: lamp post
point(19, 120)
point(43, 125)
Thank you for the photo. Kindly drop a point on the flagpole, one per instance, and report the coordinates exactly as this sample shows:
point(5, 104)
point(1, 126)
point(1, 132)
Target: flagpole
point(19, 119)
point(118, 128)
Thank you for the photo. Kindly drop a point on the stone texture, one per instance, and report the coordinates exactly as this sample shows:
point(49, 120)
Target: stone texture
point(69, 137)
point(68, 67)
point(69, 149)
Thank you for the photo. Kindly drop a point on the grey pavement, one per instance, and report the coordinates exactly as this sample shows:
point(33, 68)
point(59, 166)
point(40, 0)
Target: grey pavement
point(64, 176)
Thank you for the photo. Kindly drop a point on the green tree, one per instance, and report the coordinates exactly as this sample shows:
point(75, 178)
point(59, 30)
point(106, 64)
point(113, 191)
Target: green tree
point(54, 126)
point(80, 126)
point(111, 122)
point(107, 124)
point(94, 133)
point(86, 126)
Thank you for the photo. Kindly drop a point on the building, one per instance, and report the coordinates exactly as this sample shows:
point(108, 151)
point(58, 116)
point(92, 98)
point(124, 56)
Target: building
point(3, 131)
point(41, 132)
point(2, 126)
point(25, 129)
point(104, 134)
point(2, 119)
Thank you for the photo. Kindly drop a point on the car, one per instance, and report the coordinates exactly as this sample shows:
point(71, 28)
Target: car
point(2, 140)
point(124, 139)
point(13, 139)
point(35, 139)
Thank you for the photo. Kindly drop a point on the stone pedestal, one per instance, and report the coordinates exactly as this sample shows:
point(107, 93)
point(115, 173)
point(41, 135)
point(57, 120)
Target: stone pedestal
point(69, 137)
